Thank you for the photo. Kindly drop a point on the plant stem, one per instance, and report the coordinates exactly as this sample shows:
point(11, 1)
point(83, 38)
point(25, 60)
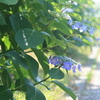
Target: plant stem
point(42, 80)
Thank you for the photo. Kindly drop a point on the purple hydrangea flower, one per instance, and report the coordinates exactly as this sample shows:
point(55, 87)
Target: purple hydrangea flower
point(79, 67)
point(76, 25)
point(68, 10)
point(70, 22)
point(91, 30)
point(67, 65)
point(83, 28)
point(74, 68)
point(55, 60)
point(80, 26)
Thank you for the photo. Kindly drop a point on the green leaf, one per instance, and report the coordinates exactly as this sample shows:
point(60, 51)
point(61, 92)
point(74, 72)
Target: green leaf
point(28, 3)
point(34, 94)
point(5, 93)
point(48, 6)
point(19, 22)
point(39, 95)
point(66, 89)
point(62, 27)
point(59, 42)
point(28, 38)
point(76, 16)
point(56, 73)
point(18, 58)
point(37, 6)
point(82, 1)
point(2, 19)
point(33, 66)
point(6, 78)
point(22, 86)
point(6, 41)
point(41, 1)
point(42, 60)
point(2, 60)
point(86, 41)
point(9, 2)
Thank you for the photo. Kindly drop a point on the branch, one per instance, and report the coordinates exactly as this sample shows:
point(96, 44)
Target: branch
point(47, 25)
point(42, 80)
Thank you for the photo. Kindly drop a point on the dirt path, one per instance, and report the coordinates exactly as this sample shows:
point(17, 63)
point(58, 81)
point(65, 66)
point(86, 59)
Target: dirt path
point(91, 90)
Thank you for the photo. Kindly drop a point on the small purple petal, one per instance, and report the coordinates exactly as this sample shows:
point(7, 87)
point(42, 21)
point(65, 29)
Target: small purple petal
point(70, 22)
point(83, 28)
point(91, 30)
point(67, 65)
point(74, 69)
point(76, 25)
point(79, 67)
point(55, 61)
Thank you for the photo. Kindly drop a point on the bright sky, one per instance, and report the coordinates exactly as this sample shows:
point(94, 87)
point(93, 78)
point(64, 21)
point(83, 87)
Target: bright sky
point(96, 1)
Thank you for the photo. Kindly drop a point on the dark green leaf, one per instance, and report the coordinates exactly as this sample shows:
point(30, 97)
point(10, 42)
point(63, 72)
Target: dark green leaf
point(28, 38)
point(5, 93)
point(2, 19)
point(18, 58)
point(9, 2)
point(42, 60)
point(48, 6)
point(19, 22)
point(56, 73)
point(22, 86)
point(6, 78)
point(33, 93)
point(41, 1)
point(66, 89)
point(33, 66)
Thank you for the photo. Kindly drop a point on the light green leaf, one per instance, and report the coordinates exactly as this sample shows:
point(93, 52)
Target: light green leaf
point(56, 73)
point(6, 41)
point(86, 41)
point(76, 16)
point(66, 89)
point(9, 2)
point(2, 19)
point(28, 38)
point(62, 27)
point(82, 1)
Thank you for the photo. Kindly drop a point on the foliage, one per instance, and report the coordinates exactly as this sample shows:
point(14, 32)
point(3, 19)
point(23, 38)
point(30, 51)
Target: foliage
point(33, 27)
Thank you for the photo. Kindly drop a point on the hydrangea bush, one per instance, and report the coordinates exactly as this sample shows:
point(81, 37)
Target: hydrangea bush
point(28, 29)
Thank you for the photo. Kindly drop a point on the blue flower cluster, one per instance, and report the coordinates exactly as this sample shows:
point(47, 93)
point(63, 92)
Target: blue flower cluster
point(81, 27)
point(65, 63)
